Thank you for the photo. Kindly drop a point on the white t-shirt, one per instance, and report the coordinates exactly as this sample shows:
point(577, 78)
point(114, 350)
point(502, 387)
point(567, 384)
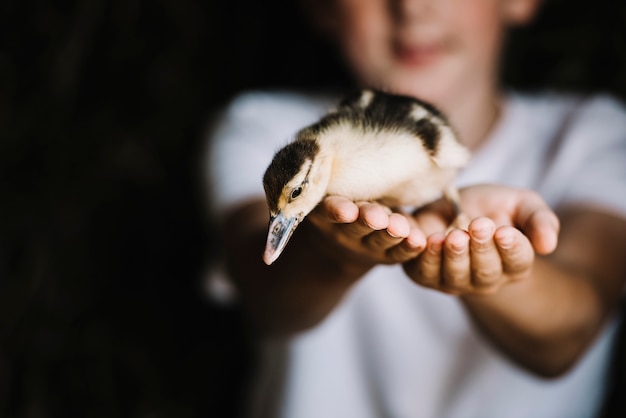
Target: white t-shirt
point(395, 349)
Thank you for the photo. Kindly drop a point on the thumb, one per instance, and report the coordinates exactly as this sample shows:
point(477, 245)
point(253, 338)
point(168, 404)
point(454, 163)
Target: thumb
point(542, 228)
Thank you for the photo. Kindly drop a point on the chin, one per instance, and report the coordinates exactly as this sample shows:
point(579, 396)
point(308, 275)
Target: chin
point(430, 91)
point(433, 84)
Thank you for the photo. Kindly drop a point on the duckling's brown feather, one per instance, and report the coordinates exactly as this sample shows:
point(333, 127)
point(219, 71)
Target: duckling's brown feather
point(286, 163)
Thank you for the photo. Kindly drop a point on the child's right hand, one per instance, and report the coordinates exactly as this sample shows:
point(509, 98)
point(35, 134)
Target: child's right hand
point(367, 233)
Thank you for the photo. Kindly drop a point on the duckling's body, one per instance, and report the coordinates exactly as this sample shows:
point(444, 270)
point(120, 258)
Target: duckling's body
point(360, 170)
point(396, 150)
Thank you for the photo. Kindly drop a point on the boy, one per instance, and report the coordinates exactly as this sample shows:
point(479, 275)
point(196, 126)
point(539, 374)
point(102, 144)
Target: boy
point(352, 296)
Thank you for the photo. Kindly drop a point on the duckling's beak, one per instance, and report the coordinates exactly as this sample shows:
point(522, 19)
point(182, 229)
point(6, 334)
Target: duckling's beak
point(280, 231)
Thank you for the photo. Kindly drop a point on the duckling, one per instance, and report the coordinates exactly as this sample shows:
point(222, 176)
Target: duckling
point(392, 149)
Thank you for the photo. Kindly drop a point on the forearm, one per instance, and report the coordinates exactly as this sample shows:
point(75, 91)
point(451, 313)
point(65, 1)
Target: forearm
point(299, 289)
point(548, 319)
point(543, 322)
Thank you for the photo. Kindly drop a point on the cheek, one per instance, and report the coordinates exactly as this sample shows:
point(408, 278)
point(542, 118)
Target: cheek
point(481, 32)
point(364, 29)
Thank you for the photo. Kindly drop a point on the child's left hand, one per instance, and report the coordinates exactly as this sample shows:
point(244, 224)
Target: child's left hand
point(508, 226)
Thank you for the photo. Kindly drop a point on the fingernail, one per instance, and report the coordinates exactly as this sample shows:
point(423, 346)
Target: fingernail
point(457, 248)
point(482, 229)
point(435, 247)
point(482, 234)
point(506, 241)
point(415, 247)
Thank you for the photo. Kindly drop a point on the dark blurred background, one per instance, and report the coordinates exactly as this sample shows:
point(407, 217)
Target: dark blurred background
point(104, 238)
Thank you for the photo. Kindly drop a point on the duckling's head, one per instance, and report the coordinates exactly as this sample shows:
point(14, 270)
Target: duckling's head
point(295, 182)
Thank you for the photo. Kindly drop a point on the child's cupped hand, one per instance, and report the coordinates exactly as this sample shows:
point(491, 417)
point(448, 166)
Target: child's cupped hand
point(508, 226)
point(367, 233)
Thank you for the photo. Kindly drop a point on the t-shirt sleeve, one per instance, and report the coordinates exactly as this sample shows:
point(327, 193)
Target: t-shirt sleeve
point(244, 139)
point(241, 143)
point(595, 154)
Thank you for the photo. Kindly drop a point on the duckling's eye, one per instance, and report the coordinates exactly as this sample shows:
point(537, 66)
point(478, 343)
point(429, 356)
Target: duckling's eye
point(296, 192)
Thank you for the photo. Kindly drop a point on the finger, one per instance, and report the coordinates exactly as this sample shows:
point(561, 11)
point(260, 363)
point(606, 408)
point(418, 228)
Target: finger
point(380, 240)
point(372, 217)
point(515, 251)
point(398, 225)
point(397, 229)
point(430, 220)
point(335, 209)
point(486, 265)
point(409, 248)
point(456, 261)
point(426, 269)
point(539, 223)
point(352, 221)
point(542, 228)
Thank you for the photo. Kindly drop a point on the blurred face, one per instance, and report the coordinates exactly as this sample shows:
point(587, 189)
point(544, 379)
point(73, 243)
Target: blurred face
point(433, 49)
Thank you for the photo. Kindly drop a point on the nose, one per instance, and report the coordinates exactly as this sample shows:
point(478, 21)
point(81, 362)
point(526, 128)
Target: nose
point(406, 10)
